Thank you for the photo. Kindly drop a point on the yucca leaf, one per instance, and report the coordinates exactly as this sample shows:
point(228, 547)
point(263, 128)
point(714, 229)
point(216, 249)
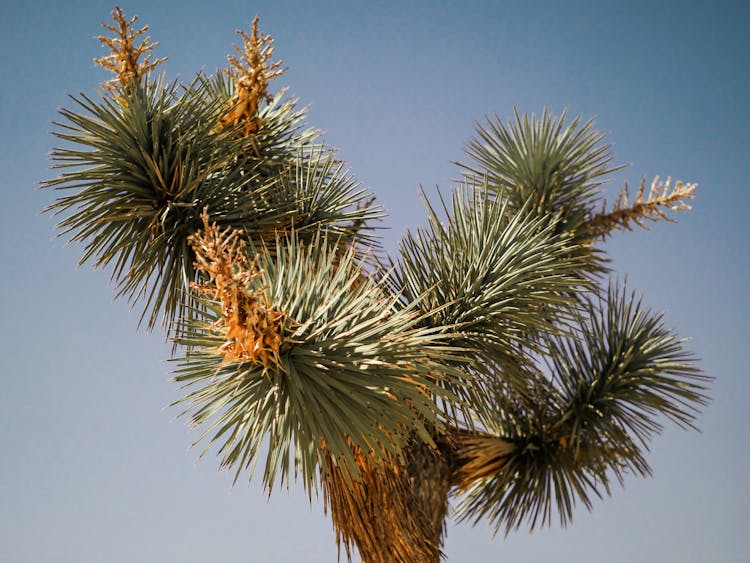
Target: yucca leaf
point(493, 277)
point(556, 166)
point(355, 371)
point(611, 382)
point(140, 171)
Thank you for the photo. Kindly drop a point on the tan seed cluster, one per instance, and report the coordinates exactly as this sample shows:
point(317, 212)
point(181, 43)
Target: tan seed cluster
point(661, 196)
point(124, 59)
point(251, 72)
point(253, 329)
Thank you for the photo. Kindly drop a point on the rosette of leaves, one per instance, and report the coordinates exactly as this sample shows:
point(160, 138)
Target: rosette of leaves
point(141, 164)
point(142, 171)
point(555, 166)
point(590, 420)
point(354, 374)
point(495, 277)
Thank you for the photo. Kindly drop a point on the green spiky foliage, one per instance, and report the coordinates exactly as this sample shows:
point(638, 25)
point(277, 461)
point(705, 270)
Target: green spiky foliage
point(491, 360)
point(494, 275)
point(558, 166)
point(591, 418)
point(144, 166)
point(352, 371)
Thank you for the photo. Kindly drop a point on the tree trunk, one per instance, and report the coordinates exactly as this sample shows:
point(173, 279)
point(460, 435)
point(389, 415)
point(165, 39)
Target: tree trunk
point(393, 513)
point(430, 476)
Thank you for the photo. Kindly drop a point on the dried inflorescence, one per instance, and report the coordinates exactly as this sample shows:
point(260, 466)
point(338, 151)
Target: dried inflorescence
point(660, 197)
point(251, 72)
point(253, 329)
point(124, 58)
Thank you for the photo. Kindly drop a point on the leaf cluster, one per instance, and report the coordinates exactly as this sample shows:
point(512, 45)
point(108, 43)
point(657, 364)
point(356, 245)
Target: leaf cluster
point(139, 171)
point(493, 277)
point(591, 418)
point(354, 371)
point(557, 165)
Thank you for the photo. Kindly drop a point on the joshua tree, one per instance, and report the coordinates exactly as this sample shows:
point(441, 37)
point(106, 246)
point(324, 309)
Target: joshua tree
point(490, 360)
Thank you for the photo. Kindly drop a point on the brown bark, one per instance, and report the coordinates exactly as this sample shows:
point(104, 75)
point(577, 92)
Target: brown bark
point(395, 512)
point(430, 476)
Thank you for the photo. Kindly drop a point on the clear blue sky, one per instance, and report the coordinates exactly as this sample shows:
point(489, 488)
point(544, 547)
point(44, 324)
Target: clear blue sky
point(92, 466)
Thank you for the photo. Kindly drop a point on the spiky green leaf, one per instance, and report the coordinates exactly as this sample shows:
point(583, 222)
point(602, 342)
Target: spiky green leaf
point(494, 277)
point(593, 420)
point(355, 370)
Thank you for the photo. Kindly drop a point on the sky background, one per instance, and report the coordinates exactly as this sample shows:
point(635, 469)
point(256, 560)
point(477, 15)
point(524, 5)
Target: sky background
point(93, 466)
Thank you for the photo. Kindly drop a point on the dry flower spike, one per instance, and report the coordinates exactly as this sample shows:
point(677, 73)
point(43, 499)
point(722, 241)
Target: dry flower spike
point(661, 197)
point(253, 330)
point(124, 58)
point(251, 72)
